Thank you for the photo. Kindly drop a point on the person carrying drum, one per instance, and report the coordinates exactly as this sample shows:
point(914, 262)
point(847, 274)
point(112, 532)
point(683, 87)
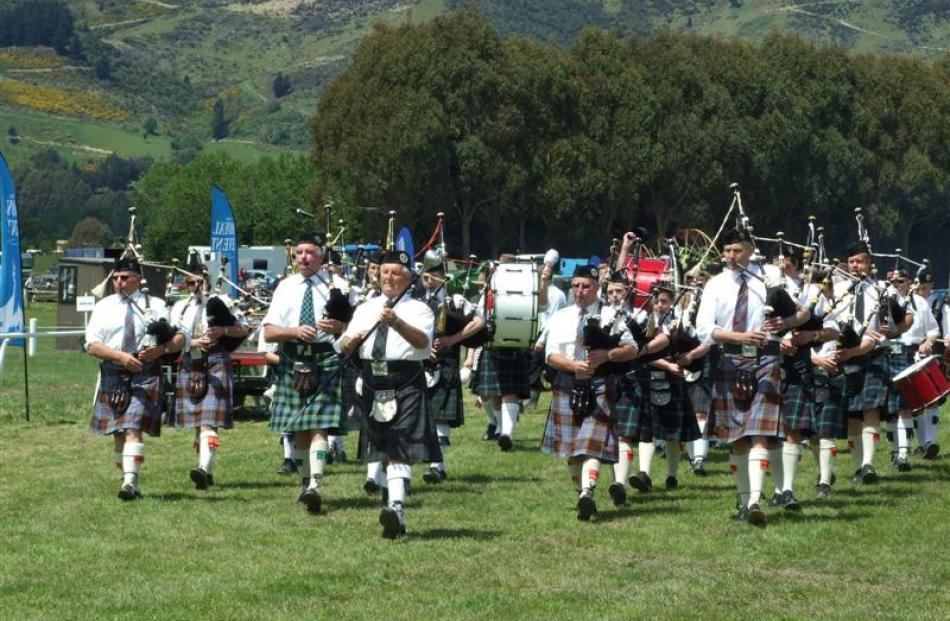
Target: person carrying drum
point(579, 425)
point(125, 332)
point(394, 335)
point(927, 419)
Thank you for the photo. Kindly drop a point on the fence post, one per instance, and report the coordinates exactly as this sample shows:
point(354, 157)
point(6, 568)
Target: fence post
point(31, 342)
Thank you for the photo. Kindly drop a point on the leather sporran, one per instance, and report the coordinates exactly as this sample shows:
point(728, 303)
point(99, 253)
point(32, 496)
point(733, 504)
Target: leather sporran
point(120, 398)
point(583, 397)
point(853, 379)
point(304, 380)
point(743, 385)
point(198, 380)
point(661, 392)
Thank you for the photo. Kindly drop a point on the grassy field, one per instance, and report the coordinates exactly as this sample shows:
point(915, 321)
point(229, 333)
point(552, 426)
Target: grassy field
point(499, 539)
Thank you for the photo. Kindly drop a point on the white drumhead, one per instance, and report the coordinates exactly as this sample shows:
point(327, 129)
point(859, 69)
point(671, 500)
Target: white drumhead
point(914, 368)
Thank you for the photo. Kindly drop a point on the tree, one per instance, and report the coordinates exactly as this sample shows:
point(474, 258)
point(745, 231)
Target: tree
point(282, 85)
point(219, 124)
point(103, 67)
point(150, 126)
point(90, 232)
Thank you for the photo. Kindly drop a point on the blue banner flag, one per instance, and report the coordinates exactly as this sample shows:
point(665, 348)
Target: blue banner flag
point(224, 241)
point(404, 242)
point(11, 279)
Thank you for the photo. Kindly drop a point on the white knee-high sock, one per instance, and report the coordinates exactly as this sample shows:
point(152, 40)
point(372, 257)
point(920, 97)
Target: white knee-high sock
point(509, 414)
point(740, 467)
point(903, 436)
point(922, 421)
point(869, 439)
point(791, 453)
point(776, 466)
point(574, 469)
point(207, 449)
point(373, 470)
point(396, 477)
point(489, 408)
point(133, 455)
point(826, 455)
point(624, 458)
point(590, 473)
point(701, 446)
point(758, 464)
point(646, 450)
point(319, 447)
point(287, 441)
point(672, 458)
point(443, 431)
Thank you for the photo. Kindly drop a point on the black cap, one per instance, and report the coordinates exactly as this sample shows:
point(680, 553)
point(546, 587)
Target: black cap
point(586, 271)
point(376, 257)
point(334, 258)
point(128, 264)
point(736, 236)
point(858, 247)
point(618, 278)
point(438, 268)
point(310, 238)
point(396, 256)
point(925, 276)
point(195, 266)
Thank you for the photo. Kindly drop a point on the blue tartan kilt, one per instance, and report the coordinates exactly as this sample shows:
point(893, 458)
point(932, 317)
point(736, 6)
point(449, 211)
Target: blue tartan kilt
point(445, 398)
point(216, 408)
point(567, 434)
point(503, 372)
point(628, 408)
point(322, 410)
point(831, 420)
point(897, 362)
point(145, 405)
point(873, 392)
point(758, 416)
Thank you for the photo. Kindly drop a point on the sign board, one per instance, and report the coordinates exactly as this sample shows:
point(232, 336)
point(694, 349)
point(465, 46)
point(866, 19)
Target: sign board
point(85, 303)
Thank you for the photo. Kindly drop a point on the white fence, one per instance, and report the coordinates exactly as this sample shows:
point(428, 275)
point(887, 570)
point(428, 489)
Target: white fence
point(31, 337)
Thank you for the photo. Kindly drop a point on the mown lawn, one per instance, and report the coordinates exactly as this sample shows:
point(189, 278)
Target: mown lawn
point(499, 539)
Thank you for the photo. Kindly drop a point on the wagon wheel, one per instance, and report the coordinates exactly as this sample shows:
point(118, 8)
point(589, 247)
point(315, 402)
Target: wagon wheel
point(695, 250)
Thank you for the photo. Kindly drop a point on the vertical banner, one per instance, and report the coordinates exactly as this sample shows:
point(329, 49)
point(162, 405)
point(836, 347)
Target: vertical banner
point(224, 234)
point(11, 278)
point(404, 242)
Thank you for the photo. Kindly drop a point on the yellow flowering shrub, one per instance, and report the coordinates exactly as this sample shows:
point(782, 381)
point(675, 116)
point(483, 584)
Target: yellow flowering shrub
point(90, 104)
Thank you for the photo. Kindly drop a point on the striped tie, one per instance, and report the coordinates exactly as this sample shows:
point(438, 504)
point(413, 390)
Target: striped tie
point(739, 319)
point(306, 310)
point(128, 334)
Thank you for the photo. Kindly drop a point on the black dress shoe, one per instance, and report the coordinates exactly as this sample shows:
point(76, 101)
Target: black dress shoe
point(586, 507)
point(618, 493)
point(741, 514)
point(210, 480)
point(919, 451)
point(672, 483)
point(902, 464)
point(777, 500)
point(931, 450)
point(311, 499)
point(288, 466)
point(504, 443)
point(868, 475)
point(392, 519)
point(433, 476)
point(755, 515)
point(129, 492)
point(822, 490)
point(641, 482)
point(200, 478)
point(491, 433)
point(790, 502)
point(698, 468)
point(370, 486)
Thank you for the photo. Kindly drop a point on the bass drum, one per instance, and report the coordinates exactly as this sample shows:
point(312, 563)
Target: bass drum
point(512, 306)
point(644, 273)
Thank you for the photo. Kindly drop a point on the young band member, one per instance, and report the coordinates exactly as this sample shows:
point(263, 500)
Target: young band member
point(926, 421)
point(394, 336)
point(308, 400)
point(125, 332)
point(579, 425)
point(556, 300)
point(445, 394)
point(203, 392)
point(863, 360)
point(747, 398)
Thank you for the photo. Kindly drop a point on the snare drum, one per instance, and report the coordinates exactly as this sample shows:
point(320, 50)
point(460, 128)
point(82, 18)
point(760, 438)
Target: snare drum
point(513, 305)
point(922, 384)
point(645, 273)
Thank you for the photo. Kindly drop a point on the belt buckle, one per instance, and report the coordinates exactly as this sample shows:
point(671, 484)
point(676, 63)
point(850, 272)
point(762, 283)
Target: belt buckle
point(749, 351)
point(657, 375)
point(379, 368)
point(384, 395)
point(897, 348)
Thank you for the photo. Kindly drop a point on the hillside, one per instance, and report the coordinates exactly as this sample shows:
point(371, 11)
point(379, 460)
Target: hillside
point(152, 70)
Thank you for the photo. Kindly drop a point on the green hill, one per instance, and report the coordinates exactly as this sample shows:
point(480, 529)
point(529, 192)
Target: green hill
point(165, 63)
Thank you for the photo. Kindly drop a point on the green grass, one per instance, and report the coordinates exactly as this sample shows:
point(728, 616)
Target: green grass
point(497, 540)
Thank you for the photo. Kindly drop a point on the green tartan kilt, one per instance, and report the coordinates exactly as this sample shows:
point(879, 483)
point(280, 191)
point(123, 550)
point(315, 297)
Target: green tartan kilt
point(323, 410)
point(895, 364)
point(830, 416)
point(628, 408)
point(873, 392)
point(445, 398)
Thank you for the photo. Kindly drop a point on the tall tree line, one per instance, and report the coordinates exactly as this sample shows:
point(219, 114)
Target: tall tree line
point(523, 144)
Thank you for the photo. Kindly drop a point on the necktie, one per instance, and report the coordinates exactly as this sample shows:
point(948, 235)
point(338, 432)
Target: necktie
point(739, 319)
point(859, 303)
point(579, 351)
point(306, 309)
point(379, 344)
point(128, 334)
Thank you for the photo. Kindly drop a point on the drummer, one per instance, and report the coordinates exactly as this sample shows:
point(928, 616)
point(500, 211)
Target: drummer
point(927, 420)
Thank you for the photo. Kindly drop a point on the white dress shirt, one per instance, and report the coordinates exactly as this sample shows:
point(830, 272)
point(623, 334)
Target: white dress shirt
point(284, 311)
point(846, 309)
point(924, 326)
point(107, 322)
point(417, 314)
point(565, 331)
point(190, 316)
point(717, 305)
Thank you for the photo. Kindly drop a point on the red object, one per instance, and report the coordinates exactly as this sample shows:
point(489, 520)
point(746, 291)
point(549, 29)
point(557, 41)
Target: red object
point(645, 273)
point(922, 384)
point(249, 358)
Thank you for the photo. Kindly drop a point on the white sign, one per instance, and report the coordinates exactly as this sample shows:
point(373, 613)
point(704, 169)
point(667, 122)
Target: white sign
point(85, 303)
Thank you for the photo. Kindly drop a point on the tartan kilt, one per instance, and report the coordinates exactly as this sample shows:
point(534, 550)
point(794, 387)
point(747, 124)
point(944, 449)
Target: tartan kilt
point(830, 416)
point(145, 404)
point(759, 416)
point(503, 372)
point(445, 398)
point(215, 409)
point(873, 393)
point(701, 391)
point(628, 408)
point(895, 364)
point(411, 435)
point(351, 371)
point(674, 421)
point(323, 410)
point(798, 393)
point(569, 435)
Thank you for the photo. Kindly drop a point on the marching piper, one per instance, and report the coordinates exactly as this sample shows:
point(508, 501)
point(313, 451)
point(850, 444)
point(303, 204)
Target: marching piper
point(927, 420)
point(579, 425)
point(211, 328)
point(308, 399)
point(129, 331)
point(394, 335)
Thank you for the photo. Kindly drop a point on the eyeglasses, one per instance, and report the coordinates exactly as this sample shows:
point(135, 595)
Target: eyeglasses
point(900, 281)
